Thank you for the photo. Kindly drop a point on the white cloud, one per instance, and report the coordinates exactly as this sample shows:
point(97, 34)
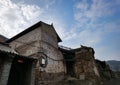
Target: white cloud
point(14, 17)
point(83, 5)
point(89, 13)
point(88, 16)
point(49, 3)
point(89, 37)
point(30, 12)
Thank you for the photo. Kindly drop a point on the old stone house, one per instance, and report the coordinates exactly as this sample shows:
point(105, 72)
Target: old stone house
point(33, 57)
point(40, 42)
point(80, 63)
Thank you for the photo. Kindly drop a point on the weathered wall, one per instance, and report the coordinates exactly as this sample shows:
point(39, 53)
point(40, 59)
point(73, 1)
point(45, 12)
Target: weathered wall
point(27, 41)
point(105, 72)
point(28, 50)
point(49, 35)
point(55, 60)
point(85, 67)
point(54, 71)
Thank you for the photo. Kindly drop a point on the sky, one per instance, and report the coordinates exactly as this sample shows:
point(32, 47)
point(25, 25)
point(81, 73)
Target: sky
point(92, 23)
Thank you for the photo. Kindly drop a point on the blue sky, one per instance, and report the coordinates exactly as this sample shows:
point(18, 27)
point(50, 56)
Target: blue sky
point(94, 23)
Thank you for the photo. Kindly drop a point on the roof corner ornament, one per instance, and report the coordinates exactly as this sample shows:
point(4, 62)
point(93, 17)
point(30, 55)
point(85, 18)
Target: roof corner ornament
point(51, 24)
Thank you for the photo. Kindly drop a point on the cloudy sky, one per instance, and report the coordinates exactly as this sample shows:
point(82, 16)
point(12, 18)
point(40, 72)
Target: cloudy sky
point(94, 23)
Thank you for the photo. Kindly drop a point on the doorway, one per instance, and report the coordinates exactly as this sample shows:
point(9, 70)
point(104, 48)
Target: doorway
point(20, 73)
point(70, 68)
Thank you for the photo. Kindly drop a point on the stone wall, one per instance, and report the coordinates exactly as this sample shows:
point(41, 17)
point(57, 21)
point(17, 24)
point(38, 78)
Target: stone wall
point(105, 72)
point(26, 42)
point(55, 59)
point(85, 67)
point(49, 35)
point(54, 71)
point(44, 78)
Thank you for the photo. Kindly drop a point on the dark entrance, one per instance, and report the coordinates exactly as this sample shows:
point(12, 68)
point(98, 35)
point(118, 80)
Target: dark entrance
point(20, 73)
point(69, 57)
point(70, 68)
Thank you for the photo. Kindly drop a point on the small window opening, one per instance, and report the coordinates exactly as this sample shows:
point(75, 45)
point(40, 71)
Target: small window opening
point(43, 61)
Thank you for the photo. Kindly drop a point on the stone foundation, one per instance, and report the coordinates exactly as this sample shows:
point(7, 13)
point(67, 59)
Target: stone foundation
point(43, 78)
